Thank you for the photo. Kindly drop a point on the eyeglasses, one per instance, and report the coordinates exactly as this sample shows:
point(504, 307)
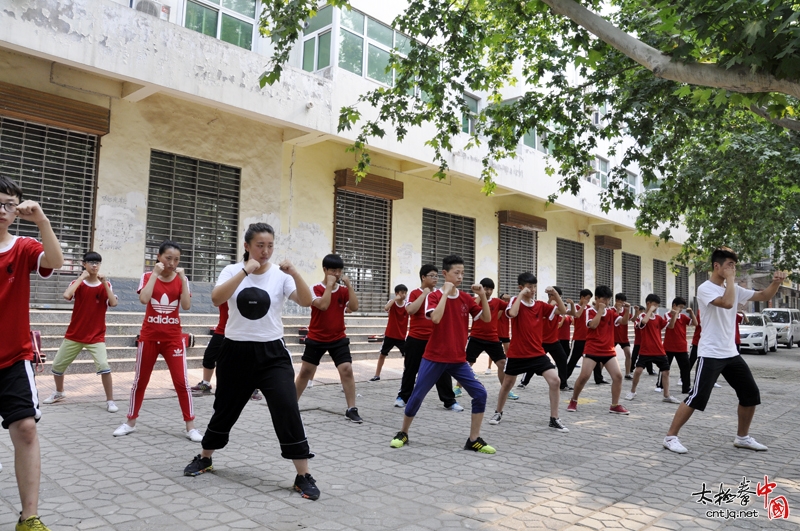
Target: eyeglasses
point(432, 275)
point(9, 207)
point(93, 263)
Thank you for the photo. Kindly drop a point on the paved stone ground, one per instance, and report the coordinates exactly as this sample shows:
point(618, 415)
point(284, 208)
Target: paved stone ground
point(608, 472)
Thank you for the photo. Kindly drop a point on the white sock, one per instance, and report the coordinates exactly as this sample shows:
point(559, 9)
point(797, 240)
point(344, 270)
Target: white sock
point(670, 437)
point(205, 382)
point(738, 438)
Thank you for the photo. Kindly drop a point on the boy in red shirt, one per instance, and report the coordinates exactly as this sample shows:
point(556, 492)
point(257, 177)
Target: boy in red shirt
point(550, 342)
point(87, 328)
point(599, 349)
point(326, 332)
point(396, 328)
point(652, 350)
point(450, 309)
point(675, 343)
point(621, 337)
point(526, 353)
point(579, 336)
point(19, 401)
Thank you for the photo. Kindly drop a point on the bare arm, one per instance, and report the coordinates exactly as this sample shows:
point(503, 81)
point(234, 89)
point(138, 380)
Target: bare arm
point(72, 288)
point(186, 295)
point(767, 294)
point(414, 307)
point(53, 257)
point(672, 320)
point(513, 310)
point(626, 314)
point(595, 322)
point(728, 299)
point(438, 312)
point(302, 293)
point(112, 298)
point(352, 304)
point(560, 308)
point(147, 291)
point(486, 312)
point(323, 302)
point(225, 291)
point(693, 315)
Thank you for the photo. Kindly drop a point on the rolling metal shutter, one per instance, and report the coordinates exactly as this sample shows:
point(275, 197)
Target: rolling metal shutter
point(517, 255)
point(660, 280)
point(444, 234)
point(56, 168)
point(569, 268)
point(682, 283)
point(362, 238)
point(699, 278)
point(195, 204)
point(632, 278)
point(604, 267)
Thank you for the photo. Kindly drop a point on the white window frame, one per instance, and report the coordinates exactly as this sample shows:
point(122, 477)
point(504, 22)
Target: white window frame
point(221, 10)
point(470, 117)
point(315, 35)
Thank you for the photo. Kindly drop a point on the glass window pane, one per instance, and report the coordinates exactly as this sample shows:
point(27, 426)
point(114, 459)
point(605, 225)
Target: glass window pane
point(529, 138)
point(351, 52)
point(353, 20)
point(308, 54)
point(324, 18)
point(377, 62)
point(402, 43)
point(236, 32)
point(201, 19)
point(324, 58)
point(472, 103)
point(244, 7)
point(379, 32)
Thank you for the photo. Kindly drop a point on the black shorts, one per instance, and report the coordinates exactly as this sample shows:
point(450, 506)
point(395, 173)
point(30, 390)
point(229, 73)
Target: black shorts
point(736, 373)
point(18, 396)
point(602, 360)
point(623, 345)
point(477, 346)
point(538, 365)
point(390, 342)
point(662, 362)
point(211, 354)
point(339, 351)
point(505, 340)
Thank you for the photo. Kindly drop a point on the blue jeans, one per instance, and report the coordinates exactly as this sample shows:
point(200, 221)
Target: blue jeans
point(431, 371)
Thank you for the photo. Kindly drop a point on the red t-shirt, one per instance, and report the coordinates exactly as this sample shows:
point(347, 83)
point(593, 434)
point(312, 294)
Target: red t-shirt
point(488, 331)
point(88, 322)
point(580, 327)
point(621, 333)
point(527, 328)
point(17, 261)
point(449, 338)
point(563, 332)
point(637, 336)
point(397, 326)
point(651, 335)
point(550, 327)
point(696, 334)
point(739, 319)
point(328, 326)
point(600, 340)
point(675, 338)
point(162, 320)
point(223, 319)
point(421, 327)
point(503, 323)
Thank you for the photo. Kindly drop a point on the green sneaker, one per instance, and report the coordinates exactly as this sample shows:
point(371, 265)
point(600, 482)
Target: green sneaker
point(32, 523)
point(400, 440)
point(457, 391)
point(479, 445)
point(513, 396)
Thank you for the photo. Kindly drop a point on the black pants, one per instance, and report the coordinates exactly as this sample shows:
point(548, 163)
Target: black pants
point(246, 365)
point(683, 366)
point(635, 356)
point(559, 357)
point(415, 348)
point(575, 356)
point(693, 357)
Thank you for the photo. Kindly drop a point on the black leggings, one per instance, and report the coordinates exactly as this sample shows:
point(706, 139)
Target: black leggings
point(415, 348)
point(577, 352)
point(683, 366)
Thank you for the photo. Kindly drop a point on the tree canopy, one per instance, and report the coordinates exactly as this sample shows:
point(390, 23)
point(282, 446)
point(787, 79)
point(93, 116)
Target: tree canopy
point(700, 95)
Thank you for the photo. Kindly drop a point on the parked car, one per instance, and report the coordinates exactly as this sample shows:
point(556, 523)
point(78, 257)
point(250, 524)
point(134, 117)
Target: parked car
point(758, 334)
point(787, 322)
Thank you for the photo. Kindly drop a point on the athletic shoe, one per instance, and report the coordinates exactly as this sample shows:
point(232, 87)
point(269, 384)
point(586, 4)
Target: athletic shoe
point(111, 407)
point(513, 396)
point(749, 443)
point(306, 486)
point(457, 392)
point(521, 386)
point(680, 382)
point(194, 435)
point(398, 402)
point(671, 400)
point(400, 440)
point(618, 409)
point(374, 379)
point(496, 418)
point(32, 523)
point(658, 390)
point(256, 395)
point(673, 444)
point(199, 465)
point(628, 377)
point(480, 446)
point(573, 406)
point(202, 388)
point(487, 371)
point(558, 425)
point(565, 388)
point(124, 429)
point(352, 415)
point(630, 396)
point(455, 407)
point(52, 399)
point(602, 382)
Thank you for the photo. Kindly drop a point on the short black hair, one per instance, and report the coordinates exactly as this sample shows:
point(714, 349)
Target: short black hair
point(621, 297)
point(9, 187)
point(92, 256)
point(558, 290)
point(332, 261)
point(400, 287)
point(653, 298)
point(527, 278)
point(723, 253)
point(586, 293)
point(603, 292)
point(451, 260)
point(487, 283)
point(426, 269)
point(166, 245)
point(678, 301)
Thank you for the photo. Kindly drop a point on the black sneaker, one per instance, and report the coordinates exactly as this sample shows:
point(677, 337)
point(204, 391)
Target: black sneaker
point(306, 486)
point(602, 382)
point(375, 379)
point(479, 445)
point(201, 389)
point(352, 416)
point(558, 425)
point(198, 466)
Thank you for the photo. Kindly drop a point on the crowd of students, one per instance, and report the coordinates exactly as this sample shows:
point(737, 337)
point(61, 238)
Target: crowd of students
point(431, 327)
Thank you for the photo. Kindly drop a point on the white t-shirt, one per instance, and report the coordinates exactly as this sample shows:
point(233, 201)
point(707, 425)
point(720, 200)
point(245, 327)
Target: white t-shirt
point(718, 339)
point(254, 309)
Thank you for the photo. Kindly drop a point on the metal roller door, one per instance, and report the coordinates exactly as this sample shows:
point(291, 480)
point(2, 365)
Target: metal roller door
point(445, 234)
point(569, 268)
point(604, 267)
point(632, 278)
point(517, 255)
point(660, 280)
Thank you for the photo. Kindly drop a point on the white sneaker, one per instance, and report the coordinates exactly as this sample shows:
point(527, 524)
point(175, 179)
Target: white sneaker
point(749, 443)
point(111, 407)
point(630, 396)
point(671, 400)
point(194, 435)
point(717, 385)
point(55, 397)
point(1, 467)
point(658, 390)
point(310, 384)
point(455, 407)
point(398, 402)
point(680, 382)
point(487, 371)
point(496, 418)
point(124, 429)
point(673, 444)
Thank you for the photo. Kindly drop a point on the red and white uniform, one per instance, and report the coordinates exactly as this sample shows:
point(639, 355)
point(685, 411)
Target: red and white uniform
point(580, 327)
point(420, 326)
point(504, 324)
point(697, 330)
point(550, 327)
point(739, 319)
point(88, 322)
point(223, 319)
point(600, 340)
point(675, 338)
point(527, 328)
point(17, 261)
point(328, 326)
point(397, 326)
point(488, 331)
point(621, 332)
point(449, 337)
point(651, 335)
point(563, 332)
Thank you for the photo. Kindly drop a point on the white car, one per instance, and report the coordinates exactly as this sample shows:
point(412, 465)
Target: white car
point(758, 334)
point(787, 323)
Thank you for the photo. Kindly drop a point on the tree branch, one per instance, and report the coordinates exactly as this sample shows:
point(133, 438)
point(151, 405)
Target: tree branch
point(786, 123)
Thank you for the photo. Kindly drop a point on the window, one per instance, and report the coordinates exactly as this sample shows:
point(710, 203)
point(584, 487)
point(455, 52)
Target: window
point(232, 21)
point(631, 181)
point(632, 278)
point(604, 267)
point(362, 237)
point(600, 175)
point(517, 255)
point(660, 280)
point(682, 283)
point(317, 41)
point(56, 168)
point(444, 234)
point(599, 114)
point(468, 118)
point(699, 278)
point(569, 268)
point(529, 138)
point(195, 204)
point(543, 143)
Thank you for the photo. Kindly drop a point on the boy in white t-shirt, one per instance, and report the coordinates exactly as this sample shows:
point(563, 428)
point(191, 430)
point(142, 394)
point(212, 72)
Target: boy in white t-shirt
point(718, 299)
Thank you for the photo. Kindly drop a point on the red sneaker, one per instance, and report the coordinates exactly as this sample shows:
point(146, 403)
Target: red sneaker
point(618, 409)
point(573, 406)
